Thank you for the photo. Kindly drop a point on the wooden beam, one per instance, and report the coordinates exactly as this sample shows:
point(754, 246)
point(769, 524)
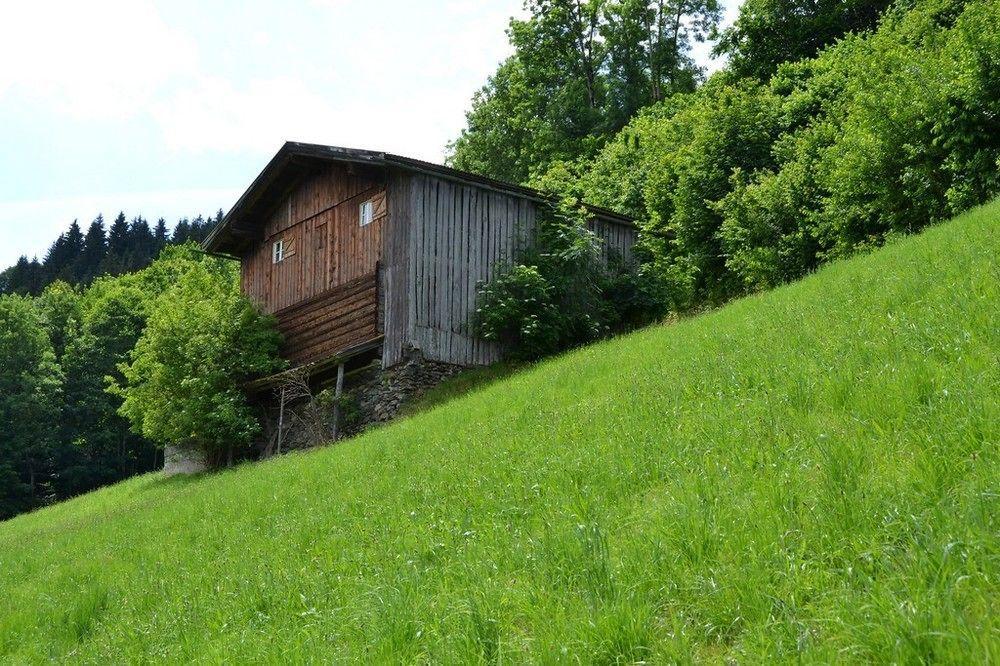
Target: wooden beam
point(257, 385)
point(247, 232)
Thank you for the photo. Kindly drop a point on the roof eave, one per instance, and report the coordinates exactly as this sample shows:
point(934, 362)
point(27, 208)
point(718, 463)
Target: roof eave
point(214, 241)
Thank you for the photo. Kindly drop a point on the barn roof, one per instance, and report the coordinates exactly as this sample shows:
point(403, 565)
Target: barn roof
point(294, 160)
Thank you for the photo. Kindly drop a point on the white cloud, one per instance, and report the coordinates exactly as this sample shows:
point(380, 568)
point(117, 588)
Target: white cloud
point(98, 59)
point(378, 75)
point(216, 115)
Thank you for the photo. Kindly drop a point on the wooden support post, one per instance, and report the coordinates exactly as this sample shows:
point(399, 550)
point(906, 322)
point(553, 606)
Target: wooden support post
point(281, 416)
point(336, 404)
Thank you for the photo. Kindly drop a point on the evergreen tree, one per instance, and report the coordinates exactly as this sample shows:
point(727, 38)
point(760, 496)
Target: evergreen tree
point(94, 249)
point(63, 258)
point(55, 256)
point(160, 236)
point(78, 258)
point(140, 244)
point(74, 248)
point(116, 258)
point(198, 229)
point(182, 232)
point(25, 277)
point(60, 260)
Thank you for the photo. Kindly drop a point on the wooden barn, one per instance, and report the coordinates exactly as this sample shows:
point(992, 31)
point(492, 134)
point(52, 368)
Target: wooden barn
point(364, 255)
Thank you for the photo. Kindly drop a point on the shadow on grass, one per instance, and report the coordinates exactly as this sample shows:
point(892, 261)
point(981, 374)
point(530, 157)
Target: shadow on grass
point(159, 481)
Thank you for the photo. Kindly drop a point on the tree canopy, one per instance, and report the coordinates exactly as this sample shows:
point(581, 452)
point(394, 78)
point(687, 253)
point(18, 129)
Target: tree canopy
point(183, 382)
point(744, 184)
point(580, 70)
point(62, 432)
point(770, 32)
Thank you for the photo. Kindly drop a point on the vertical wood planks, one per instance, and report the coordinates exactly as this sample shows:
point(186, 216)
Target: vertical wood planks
point(319, 219)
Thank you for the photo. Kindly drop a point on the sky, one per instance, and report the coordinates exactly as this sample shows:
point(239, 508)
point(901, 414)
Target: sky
point(171, 108)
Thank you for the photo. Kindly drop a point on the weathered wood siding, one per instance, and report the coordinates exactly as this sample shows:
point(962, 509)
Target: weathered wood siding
point(458, 235)
point(324, 242)
point(619, 239)
point(337, 319)
point(444, 239)
point(411, 274)
point(395, 267)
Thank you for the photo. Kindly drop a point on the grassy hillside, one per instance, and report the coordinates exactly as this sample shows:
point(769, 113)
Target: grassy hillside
point(813, 473)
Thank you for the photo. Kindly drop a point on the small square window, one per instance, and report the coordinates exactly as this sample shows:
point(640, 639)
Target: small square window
point(366, 213)
point(278, 251)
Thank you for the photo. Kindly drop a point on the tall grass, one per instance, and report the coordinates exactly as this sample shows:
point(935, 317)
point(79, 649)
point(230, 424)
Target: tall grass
point(806, 475)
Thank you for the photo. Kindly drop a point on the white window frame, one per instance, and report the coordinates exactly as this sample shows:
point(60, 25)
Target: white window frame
point(278, 251)
point(366, 212)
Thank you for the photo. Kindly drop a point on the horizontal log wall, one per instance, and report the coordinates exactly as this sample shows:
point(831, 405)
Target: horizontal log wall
point(341, 317)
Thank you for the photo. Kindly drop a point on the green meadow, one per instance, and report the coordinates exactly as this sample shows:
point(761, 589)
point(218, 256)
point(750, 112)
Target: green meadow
point(809, 474)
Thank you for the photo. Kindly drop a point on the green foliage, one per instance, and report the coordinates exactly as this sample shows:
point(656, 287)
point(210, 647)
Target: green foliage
point(66, 435)
point(518, 310)
point(559, 294)
point(183, 383)
point(768, 33)
point(30, 387)
point(744, 185)
point(580, 71)
point(807, 475)
point(60, 307)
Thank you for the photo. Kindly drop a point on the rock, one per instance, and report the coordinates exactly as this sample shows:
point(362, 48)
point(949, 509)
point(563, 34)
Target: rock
point(178, 460)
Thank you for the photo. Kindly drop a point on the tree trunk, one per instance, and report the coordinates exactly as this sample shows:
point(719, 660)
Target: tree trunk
point(586, 53)
point(674, 42)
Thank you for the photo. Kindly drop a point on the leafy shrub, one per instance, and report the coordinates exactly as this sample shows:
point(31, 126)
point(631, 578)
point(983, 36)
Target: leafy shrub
point(518, 309)
point(203, 341)
point(559, 294)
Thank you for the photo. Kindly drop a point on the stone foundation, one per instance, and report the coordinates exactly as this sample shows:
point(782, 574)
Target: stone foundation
point(379, 397)
point(370, 397)
point(183, 461)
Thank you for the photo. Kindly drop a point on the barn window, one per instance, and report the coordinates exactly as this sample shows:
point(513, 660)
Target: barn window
point(367, 213)
point(278, 251)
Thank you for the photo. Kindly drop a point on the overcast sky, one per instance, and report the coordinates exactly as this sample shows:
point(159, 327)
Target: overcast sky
point(171, 108)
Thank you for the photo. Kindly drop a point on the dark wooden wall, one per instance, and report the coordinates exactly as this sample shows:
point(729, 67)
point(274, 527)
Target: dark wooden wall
point(324, 293)
point(337, 319)
point(411, 274)
point(325, 244)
